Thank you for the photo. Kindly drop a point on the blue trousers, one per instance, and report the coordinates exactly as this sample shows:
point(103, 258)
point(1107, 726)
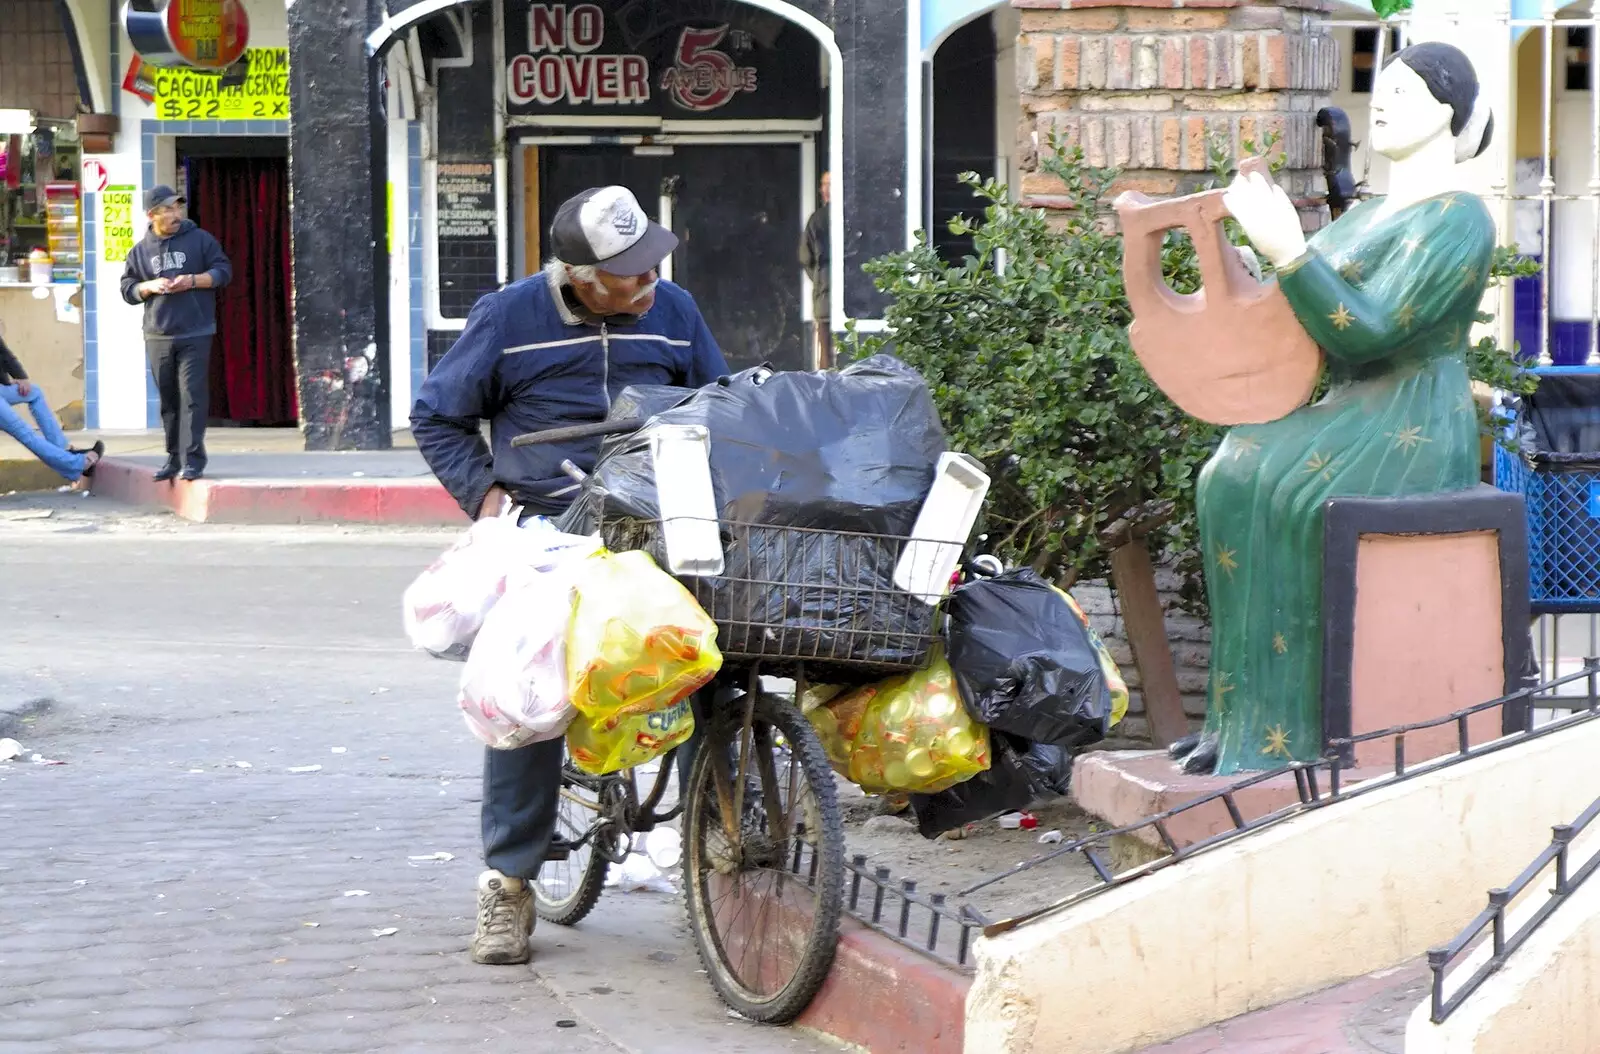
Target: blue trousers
point(522, 797)
point(47, 443)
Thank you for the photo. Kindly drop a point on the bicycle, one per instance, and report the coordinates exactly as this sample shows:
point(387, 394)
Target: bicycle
point(763, 839)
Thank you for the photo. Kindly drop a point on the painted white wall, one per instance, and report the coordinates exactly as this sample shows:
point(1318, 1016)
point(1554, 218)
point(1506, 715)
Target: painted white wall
point(1543, 999)
point(1348, 889)
point(1008, 101)
point(399, 233)
point(1572, 223)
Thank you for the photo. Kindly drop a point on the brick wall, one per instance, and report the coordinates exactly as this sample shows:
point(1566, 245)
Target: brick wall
point(1141, 84)
point(1191, 647)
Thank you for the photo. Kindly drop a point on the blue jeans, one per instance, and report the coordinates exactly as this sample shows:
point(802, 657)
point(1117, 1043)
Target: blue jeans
point(48, 443)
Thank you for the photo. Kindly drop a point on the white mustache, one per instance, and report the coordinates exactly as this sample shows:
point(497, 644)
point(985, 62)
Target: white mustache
point(644, 293)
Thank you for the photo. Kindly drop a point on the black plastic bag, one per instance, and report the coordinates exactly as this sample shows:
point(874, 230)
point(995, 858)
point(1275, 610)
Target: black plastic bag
point(813, 474)
point(1020, 774)
point(852, 450)
point(1559, 423)
point(1024, 661)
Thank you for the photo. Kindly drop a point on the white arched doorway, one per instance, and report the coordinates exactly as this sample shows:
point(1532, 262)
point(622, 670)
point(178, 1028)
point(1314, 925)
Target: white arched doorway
point(395, 27)
point(967, 108)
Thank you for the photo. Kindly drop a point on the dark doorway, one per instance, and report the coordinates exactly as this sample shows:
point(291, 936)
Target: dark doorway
point(963, 100)
point(244, 202)
point(736, 211)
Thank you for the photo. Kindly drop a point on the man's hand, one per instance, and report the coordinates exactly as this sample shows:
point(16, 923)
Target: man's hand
point(493, 502)
point(155, 287)
point(24, 387)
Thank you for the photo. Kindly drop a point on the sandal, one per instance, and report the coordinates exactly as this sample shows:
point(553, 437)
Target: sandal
point(98, 451)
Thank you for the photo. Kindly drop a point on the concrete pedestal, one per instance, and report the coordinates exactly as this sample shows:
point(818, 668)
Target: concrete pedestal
point(1125, 786)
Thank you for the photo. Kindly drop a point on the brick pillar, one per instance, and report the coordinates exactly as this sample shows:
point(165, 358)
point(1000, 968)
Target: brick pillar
point(1140, 84)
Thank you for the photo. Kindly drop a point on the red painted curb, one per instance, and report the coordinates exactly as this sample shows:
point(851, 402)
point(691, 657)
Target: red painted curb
point(412, 502)
point(887, 999)
point(880, 996)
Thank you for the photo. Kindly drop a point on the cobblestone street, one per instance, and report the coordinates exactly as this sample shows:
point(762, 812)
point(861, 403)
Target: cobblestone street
point(175, 885)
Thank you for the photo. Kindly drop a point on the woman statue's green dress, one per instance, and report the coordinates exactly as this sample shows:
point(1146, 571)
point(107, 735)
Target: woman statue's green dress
point(1391, 301)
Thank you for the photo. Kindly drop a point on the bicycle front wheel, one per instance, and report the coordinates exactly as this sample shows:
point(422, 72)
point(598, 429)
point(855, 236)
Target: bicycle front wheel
point(763, 859)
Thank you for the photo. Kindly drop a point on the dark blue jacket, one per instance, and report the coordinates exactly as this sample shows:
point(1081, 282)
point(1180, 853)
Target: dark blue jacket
point(526, 364)
point(190, 250)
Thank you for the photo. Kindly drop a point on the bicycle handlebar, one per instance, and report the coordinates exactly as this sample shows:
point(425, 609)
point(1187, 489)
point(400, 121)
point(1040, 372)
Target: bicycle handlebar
point(583, 431)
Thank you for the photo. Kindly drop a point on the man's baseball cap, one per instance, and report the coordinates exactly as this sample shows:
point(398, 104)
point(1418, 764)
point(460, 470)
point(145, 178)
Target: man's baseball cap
point(160, 195)
point(605, 227)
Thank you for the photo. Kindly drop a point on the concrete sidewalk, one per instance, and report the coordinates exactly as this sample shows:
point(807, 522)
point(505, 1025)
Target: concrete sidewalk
point(260, 476)
point(1365, 1016)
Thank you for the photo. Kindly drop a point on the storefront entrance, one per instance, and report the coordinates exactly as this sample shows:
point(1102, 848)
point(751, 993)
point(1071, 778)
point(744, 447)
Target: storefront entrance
point(239, 191)
point(736, 205)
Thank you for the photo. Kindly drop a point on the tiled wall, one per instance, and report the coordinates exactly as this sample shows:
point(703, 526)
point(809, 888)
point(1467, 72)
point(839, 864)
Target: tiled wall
point(90, 247)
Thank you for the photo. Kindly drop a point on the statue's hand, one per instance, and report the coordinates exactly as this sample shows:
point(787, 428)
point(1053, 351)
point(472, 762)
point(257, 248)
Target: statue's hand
point(1267, 216)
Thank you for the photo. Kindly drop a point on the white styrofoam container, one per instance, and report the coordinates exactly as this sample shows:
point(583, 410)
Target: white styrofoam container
point(948, 514)
point(681, 455)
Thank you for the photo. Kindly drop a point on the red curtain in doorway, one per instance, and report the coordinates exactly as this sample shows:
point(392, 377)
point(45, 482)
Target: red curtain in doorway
point(244, 203)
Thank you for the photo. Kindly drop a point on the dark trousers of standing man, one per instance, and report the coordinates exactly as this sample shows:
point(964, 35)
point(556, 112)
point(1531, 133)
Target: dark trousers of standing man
point(181, 368)
point(522, 800)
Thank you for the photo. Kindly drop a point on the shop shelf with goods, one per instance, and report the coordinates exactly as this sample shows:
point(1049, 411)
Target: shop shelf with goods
point(64, 226)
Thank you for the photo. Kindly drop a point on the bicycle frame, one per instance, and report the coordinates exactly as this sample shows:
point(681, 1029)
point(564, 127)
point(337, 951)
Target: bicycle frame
point(629, 815)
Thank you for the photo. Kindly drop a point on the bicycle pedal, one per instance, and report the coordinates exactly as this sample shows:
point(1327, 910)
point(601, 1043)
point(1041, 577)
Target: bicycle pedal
point(557, 851)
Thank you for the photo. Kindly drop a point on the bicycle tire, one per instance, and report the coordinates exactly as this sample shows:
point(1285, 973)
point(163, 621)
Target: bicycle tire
point(816, 956)
point(575, 907)
point(567, 433)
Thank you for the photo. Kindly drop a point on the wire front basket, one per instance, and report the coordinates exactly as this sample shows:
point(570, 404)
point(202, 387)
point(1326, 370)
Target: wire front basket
point(791, 595)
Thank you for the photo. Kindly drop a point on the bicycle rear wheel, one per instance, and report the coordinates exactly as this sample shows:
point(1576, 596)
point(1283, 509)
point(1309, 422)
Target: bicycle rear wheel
point(567, 890)
point(764, 891)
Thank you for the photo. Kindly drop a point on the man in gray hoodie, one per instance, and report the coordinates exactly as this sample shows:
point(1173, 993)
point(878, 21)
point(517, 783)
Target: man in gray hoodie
point(174, 272)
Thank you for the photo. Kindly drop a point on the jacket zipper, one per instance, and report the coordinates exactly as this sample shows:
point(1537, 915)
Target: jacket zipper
point(605, 366)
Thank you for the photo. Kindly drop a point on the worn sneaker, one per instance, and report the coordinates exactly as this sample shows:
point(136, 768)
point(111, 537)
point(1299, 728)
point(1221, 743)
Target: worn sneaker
point(505, 920)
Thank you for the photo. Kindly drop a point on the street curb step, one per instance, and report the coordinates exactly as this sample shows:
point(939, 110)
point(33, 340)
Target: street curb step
point(886, 999)
point(402, 502)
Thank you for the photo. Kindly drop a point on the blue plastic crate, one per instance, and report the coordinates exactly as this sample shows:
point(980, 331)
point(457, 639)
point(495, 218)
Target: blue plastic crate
point(1563, 504)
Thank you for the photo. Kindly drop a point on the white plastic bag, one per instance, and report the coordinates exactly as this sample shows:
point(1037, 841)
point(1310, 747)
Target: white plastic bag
point(446, 605)
point(514, 686)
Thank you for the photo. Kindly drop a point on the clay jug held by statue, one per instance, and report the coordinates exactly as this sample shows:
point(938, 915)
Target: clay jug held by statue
point(1230, 353)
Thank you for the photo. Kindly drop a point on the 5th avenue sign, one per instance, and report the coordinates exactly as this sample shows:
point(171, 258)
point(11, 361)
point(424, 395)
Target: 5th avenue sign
point(702, 57)
point(560, 65)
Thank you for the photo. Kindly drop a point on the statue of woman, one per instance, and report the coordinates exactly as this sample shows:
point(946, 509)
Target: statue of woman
point(1389, 291)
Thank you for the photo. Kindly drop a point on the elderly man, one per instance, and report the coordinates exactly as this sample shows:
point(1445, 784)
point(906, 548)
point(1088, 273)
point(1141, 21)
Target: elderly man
point(552, 349)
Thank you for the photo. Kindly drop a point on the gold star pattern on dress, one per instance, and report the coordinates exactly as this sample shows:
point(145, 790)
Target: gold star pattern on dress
point(1223, 687)
point(1447, 204)
point(1279, 645)
point(1408, 439)
point(1277, 742)
point(1317, 464)
point(1351, 271)
point(1226, 561)
point(1406, 315)
point(1243, 445)
point(1341, 318)
point(1469, 276)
